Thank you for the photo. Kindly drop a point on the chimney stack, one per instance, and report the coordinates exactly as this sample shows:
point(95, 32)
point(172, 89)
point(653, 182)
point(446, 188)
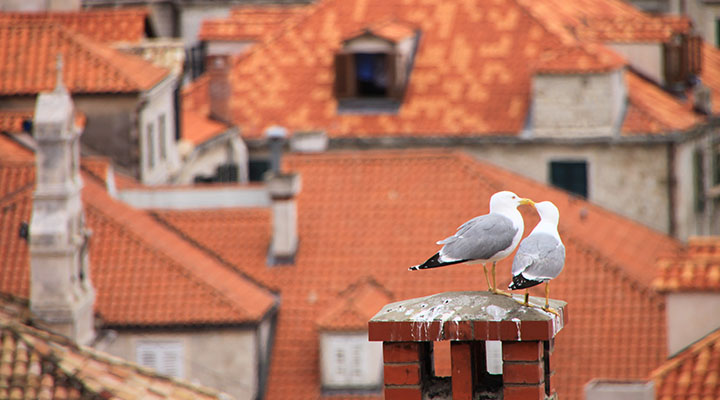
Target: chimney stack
point(61, 293)
point(469, 320)
point(218, 70)
point(283, 188)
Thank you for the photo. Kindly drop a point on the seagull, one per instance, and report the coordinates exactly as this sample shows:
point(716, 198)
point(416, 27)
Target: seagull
point(489, 237)
point(541, 255)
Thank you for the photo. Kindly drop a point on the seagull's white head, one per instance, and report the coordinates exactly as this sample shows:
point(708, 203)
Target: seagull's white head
point(507, 201)
point(548, 212)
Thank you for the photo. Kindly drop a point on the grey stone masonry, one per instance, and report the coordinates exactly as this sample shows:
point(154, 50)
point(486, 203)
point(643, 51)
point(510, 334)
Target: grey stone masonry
point(61, 293)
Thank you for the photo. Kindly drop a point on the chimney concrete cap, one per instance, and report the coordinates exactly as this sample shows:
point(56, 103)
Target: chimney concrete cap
point(467, 316)
point(282, 185)
point(599, 389)
point(276, 132)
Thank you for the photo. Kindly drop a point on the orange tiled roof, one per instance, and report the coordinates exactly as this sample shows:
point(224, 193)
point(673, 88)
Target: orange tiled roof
point(12, 120)
point(695, 268)
point(356, 305)
point(471, 74)
point(710, 74)
point(130, 253)
point(691, 374)
point(250, 22)
point(650, 110)
point(101, 25)
point(89, 67)
point(37, 364)
point(197, 126)
point(370, 215)
point(10, 150)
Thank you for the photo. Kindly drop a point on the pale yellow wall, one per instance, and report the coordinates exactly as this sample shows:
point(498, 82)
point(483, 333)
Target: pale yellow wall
point(224, 359)
point(158, 101)
point(582, 105)
point(685, 327)
point(630, 180)
point(690, 222)
point(647, 58)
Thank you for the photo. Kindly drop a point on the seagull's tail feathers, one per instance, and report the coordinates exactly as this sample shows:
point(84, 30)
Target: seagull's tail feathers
point(434, 262)
point(520, 282)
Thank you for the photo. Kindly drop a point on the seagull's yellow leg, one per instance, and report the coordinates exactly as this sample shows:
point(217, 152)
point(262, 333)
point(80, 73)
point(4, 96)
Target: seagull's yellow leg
point(494, 285)
point(547, 299)
point(487, 279)
point(527, 297)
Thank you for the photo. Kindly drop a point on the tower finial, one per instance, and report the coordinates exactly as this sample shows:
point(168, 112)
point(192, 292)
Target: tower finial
point(59, 86)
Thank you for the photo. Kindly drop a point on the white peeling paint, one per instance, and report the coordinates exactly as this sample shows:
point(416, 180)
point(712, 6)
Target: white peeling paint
point(493, 357)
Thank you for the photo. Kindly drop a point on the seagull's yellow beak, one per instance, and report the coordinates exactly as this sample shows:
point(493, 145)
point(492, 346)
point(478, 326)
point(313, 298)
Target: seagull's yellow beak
point(527, 201)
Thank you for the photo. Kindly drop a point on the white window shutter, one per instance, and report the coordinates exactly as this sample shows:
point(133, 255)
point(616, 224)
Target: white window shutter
point(165, 357)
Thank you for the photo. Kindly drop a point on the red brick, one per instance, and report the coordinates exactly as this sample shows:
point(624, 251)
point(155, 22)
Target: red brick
point(403, 393)
point(458, 330)
point(462, 372)
point(531, 392)
point(534, 330)
point(523, 373)
point(486, 330)
point(394, 352)
point(402, 374)
point(522, 351)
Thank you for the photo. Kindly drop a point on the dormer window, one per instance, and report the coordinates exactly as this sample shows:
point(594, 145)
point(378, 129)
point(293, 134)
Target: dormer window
point(374, 66)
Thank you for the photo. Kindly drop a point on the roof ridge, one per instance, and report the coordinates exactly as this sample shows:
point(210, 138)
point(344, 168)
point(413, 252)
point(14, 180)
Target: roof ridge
point(212, 253)
point(174, 263)
point(688, 352)
point(181, 266)
point(100, 52)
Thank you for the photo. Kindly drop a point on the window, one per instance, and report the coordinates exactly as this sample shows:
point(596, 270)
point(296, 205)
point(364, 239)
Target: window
point(570, 175)
point(150, 139)
point(166, 357)
point(161, 137)
point(257, 169)
point(350, 361)
point(715, 151)
point(366, 75)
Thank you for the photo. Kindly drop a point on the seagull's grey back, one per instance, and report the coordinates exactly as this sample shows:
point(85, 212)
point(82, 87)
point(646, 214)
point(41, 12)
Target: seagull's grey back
point(540, 256)
point(480, 238)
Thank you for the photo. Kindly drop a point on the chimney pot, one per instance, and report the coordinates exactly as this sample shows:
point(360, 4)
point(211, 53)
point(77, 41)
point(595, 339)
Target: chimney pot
point(283, 188)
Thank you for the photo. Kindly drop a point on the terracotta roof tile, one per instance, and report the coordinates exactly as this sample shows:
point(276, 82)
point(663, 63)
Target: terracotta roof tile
point(130, 252)
point(102, 25)
point(471, 74)
point(691, 374)
point(89, 67)
point(12, 120)
point(250, 22)
point(197, 126)
point(10, 150)
point(652, 111)
point(355, 211)
point(38, 364)
point(710, 73)
point(356, 305)
point(695, 268)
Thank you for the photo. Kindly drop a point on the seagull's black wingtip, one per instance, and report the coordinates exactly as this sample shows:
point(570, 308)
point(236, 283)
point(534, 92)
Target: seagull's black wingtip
point(434, 262)
point(520, 282)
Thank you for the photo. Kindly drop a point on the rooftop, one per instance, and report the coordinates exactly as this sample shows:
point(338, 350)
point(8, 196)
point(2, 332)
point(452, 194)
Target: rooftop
point(89, 66)
point(355, 212)
point(130, 252)
point(694, 268)
point(40, 365)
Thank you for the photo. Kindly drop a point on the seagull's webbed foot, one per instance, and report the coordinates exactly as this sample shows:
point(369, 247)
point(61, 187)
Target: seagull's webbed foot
point(498, 291)
point(551, 310)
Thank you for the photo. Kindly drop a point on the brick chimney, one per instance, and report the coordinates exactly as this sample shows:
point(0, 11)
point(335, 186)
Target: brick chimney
point(218, 70)
point(61, 293)
point(469, 320)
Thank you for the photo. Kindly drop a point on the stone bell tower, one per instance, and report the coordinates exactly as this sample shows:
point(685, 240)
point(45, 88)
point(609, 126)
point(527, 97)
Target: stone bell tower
point(61, 294)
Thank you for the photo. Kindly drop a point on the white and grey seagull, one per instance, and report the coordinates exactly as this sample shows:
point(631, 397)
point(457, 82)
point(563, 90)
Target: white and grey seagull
point(489, 237)
point(541, 255)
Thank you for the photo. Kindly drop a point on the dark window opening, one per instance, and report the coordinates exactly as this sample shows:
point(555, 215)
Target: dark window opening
point(223, 173)
point(716, 162)
point(371, 74)
point(570, 175)
point(257, 169)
